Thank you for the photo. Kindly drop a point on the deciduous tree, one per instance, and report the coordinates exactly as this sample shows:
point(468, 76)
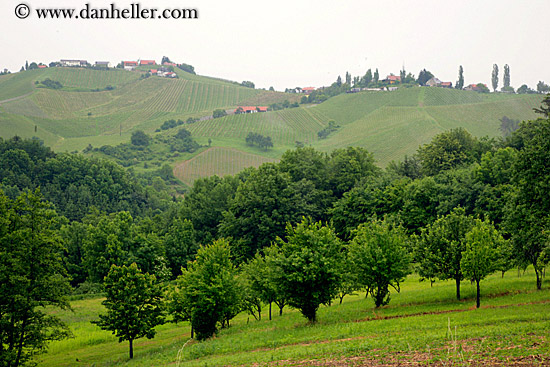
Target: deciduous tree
point(134, 304)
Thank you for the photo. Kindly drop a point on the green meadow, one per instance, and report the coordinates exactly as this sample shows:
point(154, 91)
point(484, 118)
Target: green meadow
point(423, 323)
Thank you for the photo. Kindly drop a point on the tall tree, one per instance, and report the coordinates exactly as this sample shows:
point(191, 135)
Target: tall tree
point(376, 77)
point(528, 216)
point(134, 304)
point(424, 76)
point(506, 77)
point(31, 278)
point(367, 78)
point(460, 81)
point(348, 78)
point(339, 81)
point(494, 77)
point(308, 266)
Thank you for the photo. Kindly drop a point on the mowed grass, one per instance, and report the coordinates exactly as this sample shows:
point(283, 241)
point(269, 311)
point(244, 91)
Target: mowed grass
point(421, 320)
point(218, 161)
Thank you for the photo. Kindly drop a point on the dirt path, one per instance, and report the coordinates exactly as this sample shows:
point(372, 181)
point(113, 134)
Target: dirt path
point(16, 98)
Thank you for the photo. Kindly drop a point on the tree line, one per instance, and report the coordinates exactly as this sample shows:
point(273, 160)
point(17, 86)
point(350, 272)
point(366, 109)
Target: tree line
point(300, 233)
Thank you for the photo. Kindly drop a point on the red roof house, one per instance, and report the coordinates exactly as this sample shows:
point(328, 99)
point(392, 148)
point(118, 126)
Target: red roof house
point(147, 62)
point(308, 90)
point(129, 63)
point(250, 109)
point(42, 66)
point(393, 79)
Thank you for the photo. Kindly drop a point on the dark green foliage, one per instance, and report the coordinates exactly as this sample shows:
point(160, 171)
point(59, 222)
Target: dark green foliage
point(482, 88)
point(323, 134)
point(32, 277)
point(494, 77)
point(374, 197)
point(544, 109)
point(528, 211)
point(139, 138)
point(52, 84)
point(441, 246)
point(180, 245)
point(448, 150)
point(186, 67)
point(424, 76)
point(542, 87)
point(524, 89)
point(117, 239)
point(168, 124)
point(248, 84)
point(183, 142)
point(460, 82)
point(308, 266)
point(259, 140)
point(410, 167)
point(378, 259)
point(134, 304)
point(205, 203)
point(73, 183)
point(219, 113)
point(208, 291)
point(347, 166)
point(508, 126)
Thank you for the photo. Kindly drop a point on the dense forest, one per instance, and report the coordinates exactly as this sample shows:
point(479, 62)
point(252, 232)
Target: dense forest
point(301, 232)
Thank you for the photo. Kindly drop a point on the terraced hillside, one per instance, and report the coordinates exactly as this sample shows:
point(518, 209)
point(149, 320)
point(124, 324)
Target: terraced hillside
point(104, 107)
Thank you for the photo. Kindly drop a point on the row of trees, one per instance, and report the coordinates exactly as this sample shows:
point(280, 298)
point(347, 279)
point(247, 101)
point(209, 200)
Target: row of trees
point(261, 141)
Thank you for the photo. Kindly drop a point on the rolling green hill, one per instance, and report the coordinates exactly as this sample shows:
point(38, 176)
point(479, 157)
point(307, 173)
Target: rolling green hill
point(100, 107)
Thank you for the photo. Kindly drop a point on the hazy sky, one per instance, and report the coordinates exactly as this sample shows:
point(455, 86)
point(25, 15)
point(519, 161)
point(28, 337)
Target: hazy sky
point(301, 42)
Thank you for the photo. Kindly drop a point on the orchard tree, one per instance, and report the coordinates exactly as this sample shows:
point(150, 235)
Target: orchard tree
point(441, 245)
point(134, 304)
point(209, 291)
point(482, 253)
point(308, 266)
point(32, 278)
point(378, 259)
point(494, 77)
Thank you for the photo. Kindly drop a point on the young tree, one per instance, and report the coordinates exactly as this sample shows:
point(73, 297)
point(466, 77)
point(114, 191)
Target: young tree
point(209, 290)
point(460, 81)
point(379, 259)
point(481, 255)
point(308, 266)
point(32, 278)
point(494, 77)
point(441, 247)
point(134, 304)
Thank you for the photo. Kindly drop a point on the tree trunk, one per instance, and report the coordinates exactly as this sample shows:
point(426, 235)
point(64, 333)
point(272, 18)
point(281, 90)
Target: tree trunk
point(259, 313)
point(131, 348)
point(192, 332)
point(269, 311)
point(457, 280)
point(539, 279)
point(478, 294)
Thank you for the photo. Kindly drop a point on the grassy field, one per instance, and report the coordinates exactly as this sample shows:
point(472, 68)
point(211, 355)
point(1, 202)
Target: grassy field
point(422, 323)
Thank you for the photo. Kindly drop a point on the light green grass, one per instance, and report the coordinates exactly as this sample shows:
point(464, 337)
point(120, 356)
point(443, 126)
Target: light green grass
point(416, 320)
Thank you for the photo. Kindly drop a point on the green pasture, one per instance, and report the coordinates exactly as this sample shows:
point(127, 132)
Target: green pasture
point(514, 321)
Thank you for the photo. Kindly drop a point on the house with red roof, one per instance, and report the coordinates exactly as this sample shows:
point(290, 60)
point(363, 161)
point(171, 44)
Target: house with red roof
point(446, 84)
point(147, 62)
point(250, 109)
point(308, 90)
point(392, 79)
point(42, 66)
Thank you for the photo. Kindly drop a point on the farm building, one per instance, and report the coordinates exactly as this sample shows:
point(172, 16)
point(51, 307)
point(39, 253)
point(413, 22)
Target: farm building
point(446, 84)
point(73, 62)
point(129, 65)
point(42, 66)
point(392, 79)
point(250, 109)
point(433, 82)
point(147, 62)
point(474, 87)
point(308, 90)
